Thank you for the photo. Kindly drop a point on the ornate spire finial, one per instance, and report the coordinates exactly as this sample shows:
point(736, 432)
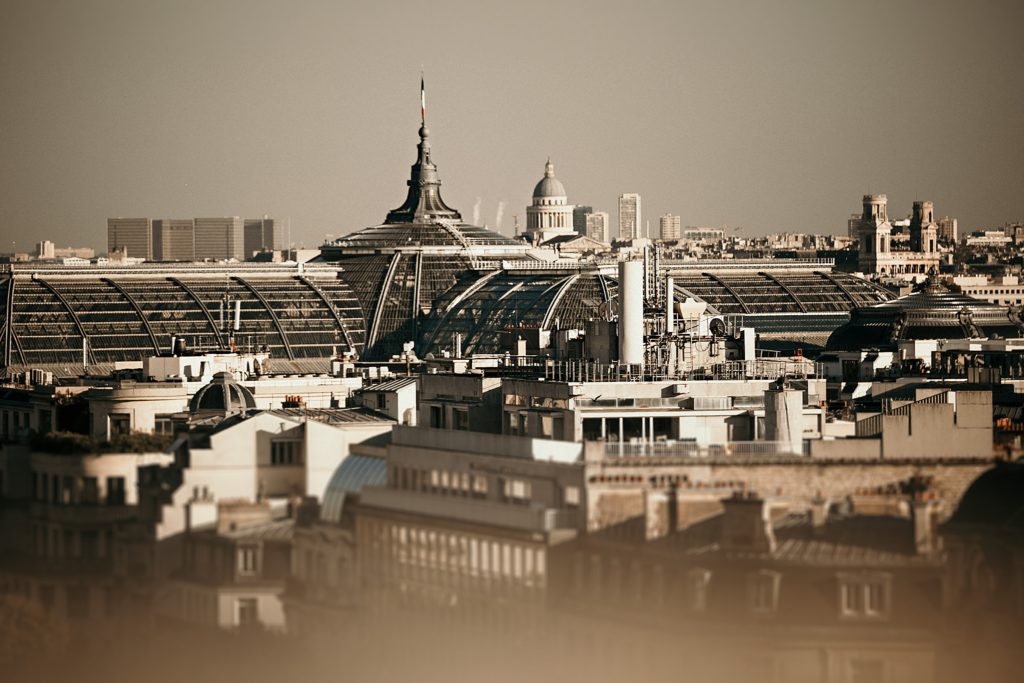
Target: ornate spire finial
point(423, 203)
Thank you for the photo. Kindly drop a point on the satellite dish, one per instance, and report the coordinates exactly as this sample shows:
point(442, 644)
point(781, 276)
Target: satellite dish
point(717, 327)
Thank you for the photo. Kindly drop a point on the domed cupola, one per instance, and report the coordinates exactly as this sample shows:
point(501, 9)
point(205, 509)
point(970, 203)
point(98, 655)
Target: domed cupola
point(933, 312)
point(549, 214)
point(222, 396)
point(549, 187)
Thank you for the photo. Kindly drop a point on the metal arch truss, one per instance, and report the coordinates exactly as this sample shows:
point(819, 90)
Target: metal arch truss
point(729, 289)
point(206, 312)
point(845, 290)
point(786, 289)
point(382, 300)
point(270, 311)
point(71, 312)
point(330, 307)
point(138, 311)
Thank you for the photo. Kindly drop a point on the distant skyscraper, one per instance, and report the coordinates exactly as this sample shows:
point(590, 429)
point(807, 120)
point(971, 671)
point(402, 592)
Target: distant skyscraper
point(579, 218)
point(597, 226)
point(45, 249)
point(174, 239)
point(670, 227)
point(134, 235)
point(219, 238)
point(947, 229)
point(630, 224)
point(261, 234)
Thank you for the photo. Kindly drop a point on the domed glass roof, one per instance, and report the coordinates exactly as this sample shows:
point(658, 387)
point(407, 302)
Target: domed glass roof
point(354, 472)
point(222, 395)
point(482, 309)
point(398, 269)
point(934, 312)
point(549, 186)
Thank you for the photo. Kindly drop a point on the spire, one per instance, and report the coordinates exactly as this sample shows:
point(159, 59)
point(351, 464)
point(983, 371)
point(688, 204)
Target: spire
point(549, 169)
point(423, 202)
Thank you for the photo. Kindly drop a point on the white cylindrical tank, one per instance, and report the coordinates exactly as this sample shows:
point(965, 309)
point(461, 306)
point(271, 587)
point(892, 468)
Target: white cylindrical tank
point(783, 418)
point(631, 312)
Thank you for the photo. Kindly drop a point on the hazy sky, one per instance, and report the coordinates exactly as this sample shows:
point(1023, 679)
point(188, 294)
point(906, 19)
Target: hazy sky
point(767, 115)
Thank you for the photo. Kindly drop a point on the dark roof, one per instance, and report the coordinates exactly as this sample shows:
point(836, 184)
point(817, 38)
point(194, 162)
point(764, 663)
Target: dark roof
point(482, 309)
point(779, 291)
point(334, 416)
point(934, 312)
point(127, 315)
point(222, 395)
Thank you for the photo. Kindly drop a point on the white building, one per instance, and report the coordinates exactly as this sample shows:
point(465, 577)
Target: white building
point(550, 214)
point(669, 227)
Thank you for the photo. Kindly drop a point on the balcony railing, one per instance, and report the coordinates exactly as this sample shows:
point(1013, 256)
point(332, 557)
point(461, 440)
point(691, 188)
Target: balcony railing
point(633, 453)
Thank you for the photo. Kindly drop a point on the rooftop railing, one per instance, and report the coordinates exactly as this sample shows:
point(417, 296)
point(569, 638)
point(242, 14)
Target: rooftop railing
point(635, 453)
point(761, 368)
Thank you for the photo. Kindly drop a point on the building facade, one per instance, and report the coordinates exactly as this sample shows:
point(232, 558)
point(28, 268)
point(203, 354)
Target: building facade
point(630, 225)
point(261, 234)
point(131, 235)
point(883, 254)
point(550, 214)
point(219, 239)
point(597, 226)
point(174, 239)
point(669, 227)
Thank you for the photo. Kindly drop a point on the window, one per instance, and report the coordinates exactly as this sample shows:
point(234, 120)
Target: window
point(285, 452)
point(247, 612)
point(479, 486)
point(247, 560)
point(90, 491)
point(120, 424)
point(460, 419)
point(763, 591)
point(517, 490)
point(382, 402)
point(115, 491)
point(864, 596)
point(571, 495)
point(437, 417)
point(697, 583)
point(162, 424)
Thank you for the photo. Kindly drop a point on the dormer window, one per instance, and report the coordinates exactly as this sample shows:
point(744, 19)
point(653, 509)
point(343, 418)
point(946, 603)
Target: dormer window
point(864, 595)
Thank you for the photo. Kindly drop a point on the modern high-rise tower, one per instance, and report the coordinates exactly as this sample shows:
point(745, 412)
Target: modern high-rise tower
point(597, 226)
point(670, 227)
point(219, 238)
point(132, 235)
point(630, 224)
point(174, 239)
point(261, 234)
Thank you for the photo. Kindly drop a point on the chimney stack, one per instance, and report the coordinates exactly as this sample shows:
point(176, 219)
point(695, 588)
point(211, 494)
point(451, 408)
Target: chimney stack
point(746, 524)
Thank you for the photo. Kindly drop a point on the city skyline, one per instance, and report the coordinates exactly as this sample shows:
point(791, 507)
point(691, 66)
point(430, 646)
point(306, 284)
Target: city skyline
point(776, 136)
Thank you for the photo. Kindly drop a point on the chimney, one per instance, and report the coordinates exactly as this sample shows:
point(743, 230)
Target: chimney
point(746, 524)
point(923, 515)
point(819, 514)
point(631, 313)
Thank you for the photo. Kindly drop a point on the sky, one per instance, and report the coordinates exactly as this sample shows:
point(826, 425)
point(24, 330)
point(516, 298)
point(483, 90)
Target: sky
point(765, 116)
